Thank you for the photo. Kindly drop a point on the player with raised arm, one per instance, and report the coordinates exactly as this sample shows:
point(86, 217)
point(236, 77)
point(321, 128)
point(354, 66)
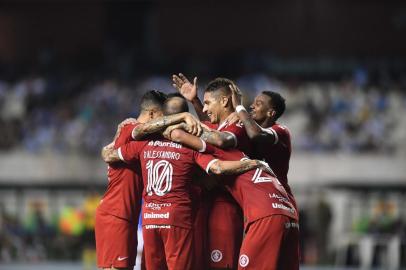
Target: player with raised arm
point(224, 212)
point(117, 214)
point(167, 169)
point(271, 140)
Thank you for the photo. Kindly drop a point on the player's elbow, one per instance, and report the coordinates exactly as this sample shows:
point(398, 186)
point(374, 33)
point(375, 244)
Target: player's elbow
point(177, 135)
point(217, 168)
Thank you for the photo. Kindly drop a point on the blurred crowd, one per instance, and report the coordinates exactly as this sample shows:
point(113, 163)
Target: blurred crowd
point(41, 235)
point(77, 114)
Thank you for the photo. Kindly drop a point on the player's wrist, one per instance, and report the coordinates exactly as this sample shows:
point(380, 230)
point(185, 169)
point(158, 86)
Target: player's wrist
point(240, 108)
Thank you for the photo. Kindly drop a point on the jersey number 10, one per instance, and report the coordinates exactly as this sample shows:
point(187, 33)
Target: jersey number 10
point(159, 177)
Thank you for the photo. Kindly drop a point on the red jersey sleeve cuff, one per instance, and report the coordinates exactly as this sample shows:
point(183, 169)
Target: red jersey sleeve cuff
point(120, 155)
point(209, 165)
point(234, 137)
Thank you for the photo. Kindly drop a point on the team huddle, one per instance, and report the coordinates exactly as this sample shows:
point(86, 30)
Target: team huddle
point(213, 191)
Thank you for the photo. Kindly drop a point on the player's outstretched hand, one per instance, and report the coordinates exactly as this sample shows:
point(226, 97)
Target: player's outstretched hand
point(236, 95)
point(167, 132)
point(265, 167)
point(193, 125)
point(185, 87)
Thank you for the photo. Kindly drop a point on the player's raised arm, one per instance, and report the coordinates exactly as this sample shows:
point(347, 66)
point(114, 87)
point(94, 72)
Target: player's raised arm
point(189, 92)
point(224, 167)
point(254, 131)
point(160, 123)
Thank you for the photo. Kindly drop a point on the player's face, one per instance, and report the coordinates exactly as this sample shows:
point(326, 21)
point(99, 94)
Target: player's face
point(212, 107)
point(261, 108)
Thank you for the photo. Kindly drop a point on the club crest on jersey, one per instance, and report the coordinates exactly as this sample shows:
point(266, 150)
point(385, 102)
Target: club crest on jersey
point(216, 255)
point(257, 178)
point(244, 260)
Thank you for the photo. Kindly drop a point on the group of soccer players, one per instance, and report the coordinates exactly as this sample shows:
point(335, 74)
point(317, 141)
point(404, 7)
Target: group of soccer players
point(236, 212)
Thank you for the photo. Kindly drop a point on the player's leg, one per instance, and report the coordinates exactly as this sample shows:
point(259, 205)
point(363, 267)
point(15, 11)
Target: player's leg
point(116, 241)
point(225, 234)
point(153, 248)
point(179, 249)
point(200, 236)
point(267, 245)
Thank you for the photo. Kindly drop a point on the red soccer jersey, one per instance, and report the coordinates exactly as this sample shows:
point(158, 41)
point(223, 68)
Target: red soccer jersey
point(278, 155)
point(124, 190)
point(237, 130)
point(258, 193)
point(167, 169)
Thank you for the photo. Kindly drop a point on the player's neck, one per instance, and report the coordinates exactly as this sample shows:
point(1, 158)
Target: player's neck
point(268, 122)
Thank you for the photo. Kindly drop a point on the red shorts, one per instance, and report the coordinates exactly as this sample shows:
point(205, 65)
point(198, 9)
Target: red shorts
point(116, 241)
point(225, 234)
point(167, 247)
point(271, 243)
point(200, 236)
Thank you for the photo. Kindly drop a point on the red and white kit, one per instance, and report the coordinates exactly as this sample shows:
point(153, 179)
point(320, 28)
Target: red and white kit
point(167, 169)
point(271, 221)
point(117, 214)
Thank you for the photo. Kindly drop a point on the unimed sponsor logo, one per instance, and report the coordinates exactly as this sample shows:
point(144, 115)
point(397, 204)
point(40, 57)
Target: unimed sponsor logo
point(154, 215)
point(283, 207)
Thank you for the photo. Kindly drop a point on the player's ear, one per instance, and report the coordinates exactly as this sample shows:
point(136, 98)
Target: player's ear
point(271, 113)
point(224, 101)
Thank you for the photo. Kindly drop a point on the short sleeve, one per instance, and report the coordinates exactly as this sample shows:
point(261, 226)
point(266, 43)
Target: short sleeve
point(125, 135)
point(130, 152)
point(236, 130)
point(280, 133)
point(204, 160)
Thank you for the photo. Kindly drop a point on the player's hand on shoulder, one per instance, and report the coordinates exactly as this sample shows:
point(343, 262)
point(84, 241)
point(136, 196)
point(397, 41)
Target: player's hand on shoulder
point(168, 131)
point(193, 124)
point(265, 167)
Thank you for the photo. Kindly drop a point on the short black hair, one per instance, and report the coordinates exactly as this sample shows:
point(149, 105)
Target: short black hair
point(183, 107)
point(277, 102)
point(152, 98)
point(220, 84)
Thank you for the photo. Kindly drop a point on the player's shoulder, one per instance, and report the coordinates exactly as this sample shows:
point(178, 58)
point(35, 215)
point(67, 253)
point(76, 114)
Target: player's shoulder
point(279, 128)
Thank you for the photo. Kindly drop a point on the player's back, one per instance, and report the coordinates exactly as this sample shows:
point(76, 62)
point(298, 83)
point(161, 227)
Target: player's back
point(167, 172)
point(124, 191)
point(258, 193)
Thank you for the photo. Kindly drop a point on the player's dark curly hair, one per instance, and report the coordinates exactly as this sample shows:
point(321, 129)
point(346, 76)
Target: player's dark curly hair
point(277, 103)
point(221, 85)
point(152, 98)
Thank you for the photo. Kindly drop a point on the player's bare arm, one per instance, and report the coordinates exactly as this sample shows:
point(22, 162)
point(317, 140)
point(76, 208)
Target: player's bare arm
point(189, 92)
point(159, 124)
point(254, 131)
point(223, 140)
point(109, 154)
point(224, 167)
point(178, 134)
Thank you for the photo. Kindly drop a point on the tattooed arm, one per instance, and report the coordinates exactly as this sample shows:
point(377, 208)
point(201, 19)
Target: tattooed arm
point(220, 139)
point(221, 167)
point(109, 154)
point(161, 123)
